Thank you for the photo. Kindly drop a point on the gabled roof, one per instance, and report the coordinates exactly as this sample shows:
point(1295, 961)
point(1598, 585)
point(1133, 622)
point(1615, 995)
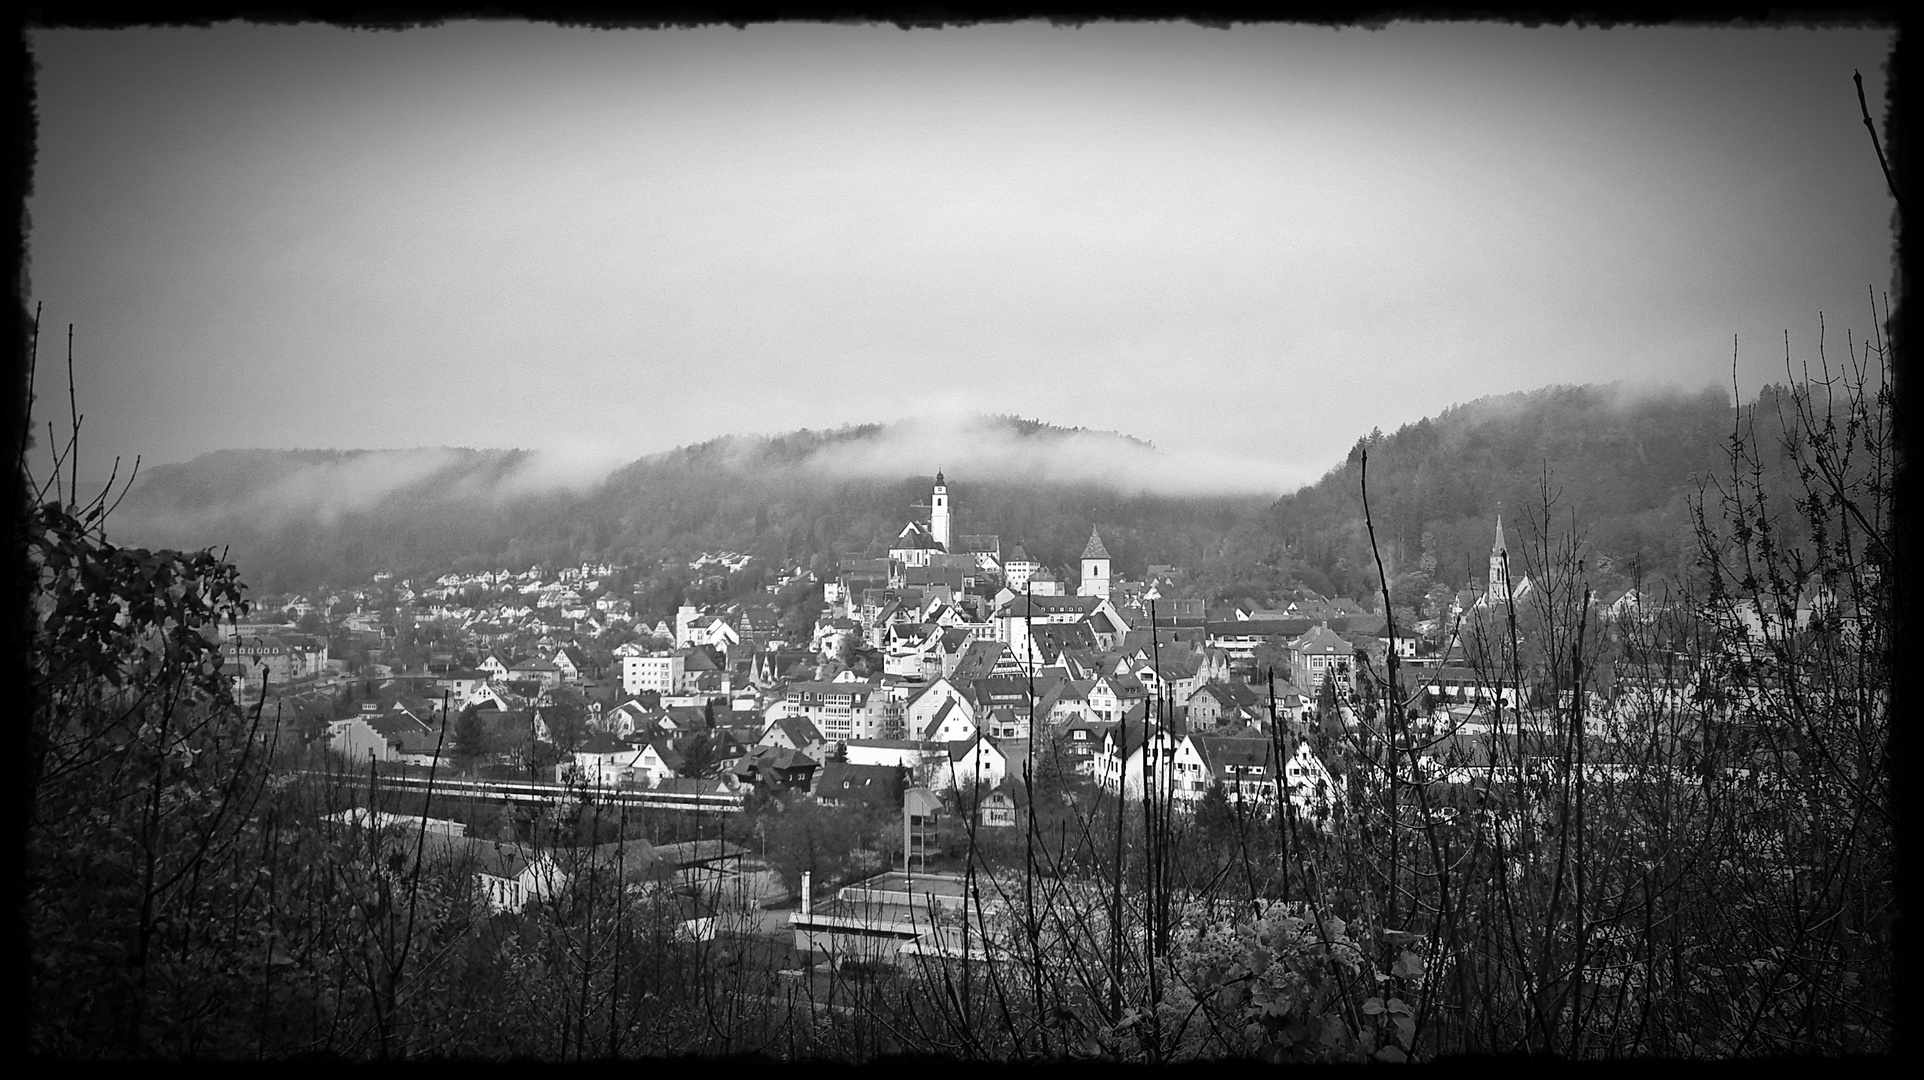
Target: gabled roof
point(487, 857)
point(1173, 666)
point(600, 742)
point(1024, 605)
point(876, 785)
point(1129, 733)
point(922, 802)
point(978, 661)
point(914, 538)
point(394, 723)
point(697, 658)
point(936, 721)
point(1075, 690)
point(669, 756)
point(1321, 639)
point(1052, 639)
point(1231, 694)
point(1005, 689)
point(960, 748)
point(800, 730)
point(1096, 728)
point(920, 692)
point(1218, 751)
point(774, 759)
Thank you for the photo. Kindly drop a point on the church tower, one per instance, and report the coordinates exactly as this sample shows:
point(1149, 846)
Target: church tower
point(939, 513)
point(1499, 566)
point(1095, 568)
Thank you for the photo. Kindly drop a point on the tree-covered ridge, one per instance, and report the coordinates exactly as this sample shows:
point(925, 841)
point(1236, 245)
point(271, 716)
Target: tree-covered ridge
point(292, 519)
point(1626, 464)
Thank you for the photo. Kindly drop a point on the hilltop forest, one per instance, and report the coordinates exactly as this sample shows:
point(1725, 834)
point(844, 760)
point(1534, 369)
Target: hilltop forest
point(1627, 465)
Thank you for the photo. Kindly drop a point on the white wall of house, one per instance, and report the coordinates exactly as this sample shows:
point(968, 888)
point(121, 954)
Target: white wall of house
point(662, 674)
point(355, 739)
point(982, 765)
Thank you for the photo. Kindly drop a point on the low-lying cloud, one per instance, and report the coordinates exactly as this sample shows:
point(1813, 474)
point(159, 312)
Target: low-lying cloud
point(982, 447)
point(274, 488)
point(325, 490)
point(271, 489)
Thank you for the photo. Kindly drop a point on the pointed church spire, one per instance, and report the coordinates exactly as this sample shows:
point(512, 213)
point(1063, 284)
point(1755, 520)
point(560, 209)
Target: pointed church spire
point(1499, 589)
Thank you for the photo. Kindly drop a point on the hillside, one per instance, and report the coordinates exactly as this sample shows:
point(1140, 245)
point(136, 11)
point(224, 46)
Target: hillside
point(1624, 463)
point(292, 519)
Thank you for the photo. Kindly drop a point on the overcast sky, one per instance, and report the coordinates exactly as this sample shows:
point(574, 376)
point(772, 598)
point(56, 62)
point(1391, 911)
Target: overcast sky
point(1248, 246)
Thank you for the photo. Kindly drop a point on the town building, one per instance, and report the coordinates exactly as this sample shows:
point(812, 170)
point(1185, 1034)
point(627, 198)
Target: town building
point(1095, 568)
point(658, 671)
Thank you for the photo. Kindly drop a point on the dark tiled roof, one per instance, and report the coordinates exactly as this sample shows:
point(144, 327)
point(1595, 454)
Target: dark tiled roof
point(1220, 750)
point(876, 785)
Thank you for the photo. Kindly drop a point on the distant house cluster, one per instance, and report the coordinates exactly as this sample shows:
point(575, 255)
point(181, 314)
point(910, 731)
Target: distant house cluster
point(940, 661)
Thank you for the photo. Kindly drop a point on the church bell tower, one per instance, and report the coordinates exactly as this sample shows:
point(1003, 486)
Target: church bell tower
point(1499, 566)
point(939, 512)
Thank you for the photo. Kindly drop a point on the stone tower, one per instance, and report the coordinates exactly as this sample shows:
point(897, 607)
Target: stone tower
point(939, 512)
point(1095, 568)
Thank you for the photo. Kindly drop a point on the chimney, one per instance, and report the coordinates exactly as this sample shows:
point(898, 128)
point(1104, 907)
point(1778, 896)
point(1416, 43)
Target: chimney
point(806, 884)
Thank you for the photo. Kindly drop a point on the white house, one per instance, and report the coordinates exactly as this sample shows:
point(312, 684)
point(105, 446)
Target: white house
point(1312, 789)
point(975, 762)
point(461, 686)
point(509, 876)
point(1109, 698)
point(927, 762)
point(384, 734)
point(1318, 653)
point(955, 720)
point(627, 718)
point(657, 761)
point(924, 705)
point(1017, 569)
point(658, 671)
point(797, 733)
point(604, 761)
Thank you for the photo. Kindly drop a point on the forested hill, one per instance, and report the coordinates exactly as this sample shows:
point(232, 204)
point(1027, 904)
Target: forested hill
point(292, 519)
point(1624, 461)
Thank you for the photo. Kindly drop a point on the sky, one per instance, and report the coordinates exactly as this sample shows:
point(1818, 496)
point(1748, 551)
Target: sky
point(1247, 246)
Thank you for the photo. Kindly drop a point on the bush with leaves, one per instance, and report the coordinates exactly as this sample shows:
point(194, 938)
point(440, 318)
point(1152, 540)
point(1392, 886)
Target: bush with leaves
point(1290, 987)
